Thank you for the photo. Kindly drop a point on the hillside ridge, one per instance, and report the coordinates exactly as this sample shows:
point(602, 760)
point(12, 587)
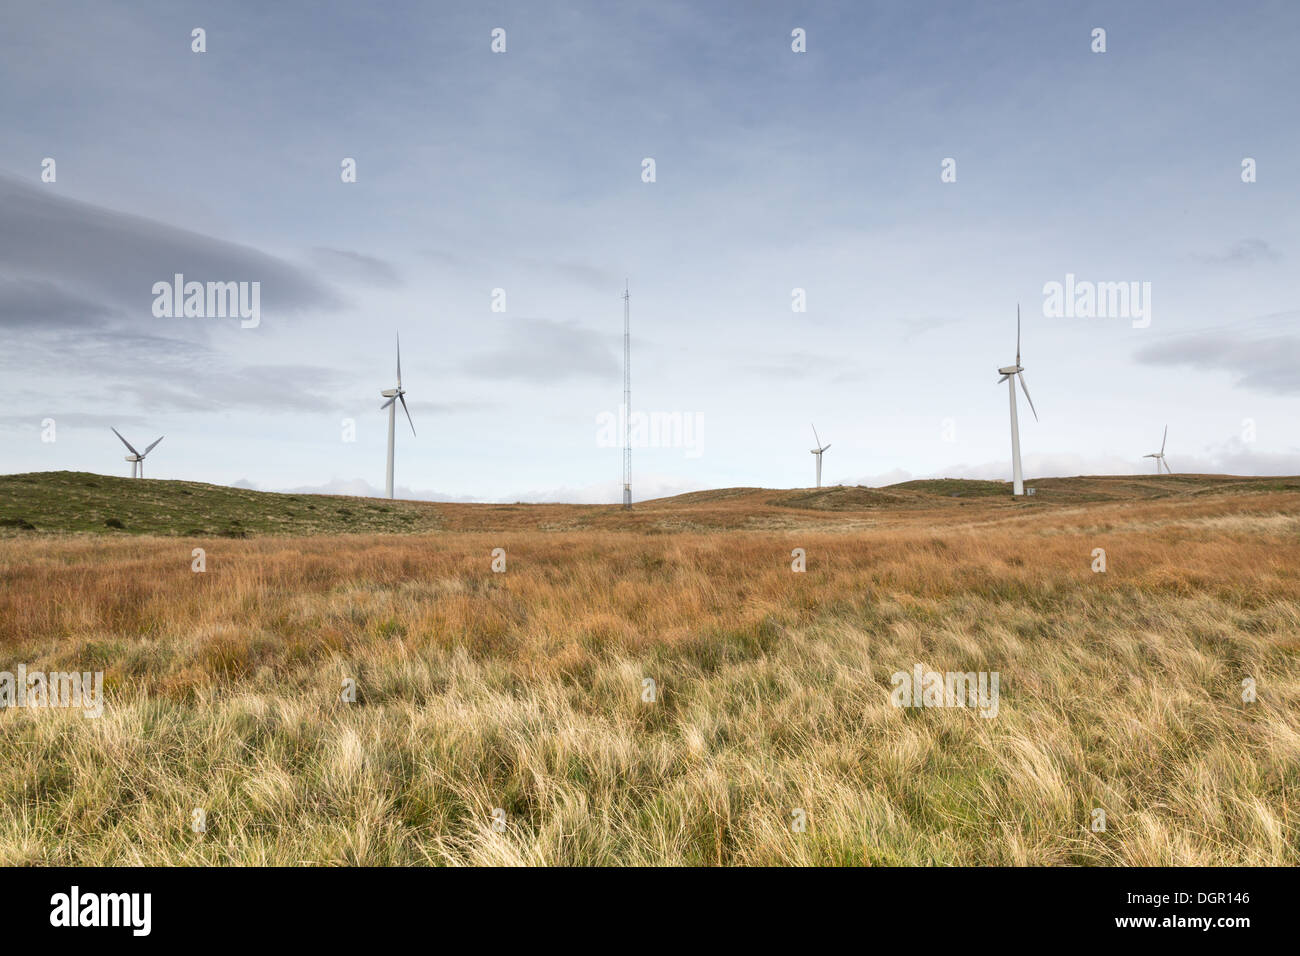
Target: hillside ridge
point(83, 502)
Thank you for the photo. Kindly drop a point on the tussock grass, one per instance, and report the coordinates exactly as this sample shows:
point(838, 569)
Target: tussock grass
point(523, 691)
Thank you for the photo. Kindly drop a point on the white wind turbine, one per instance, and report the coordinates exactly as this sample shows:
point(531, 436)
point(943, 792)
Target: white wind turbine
point(818, 452)
point(394, 395)
point(136, 458)
point(1159, 456)
point(1009, 375)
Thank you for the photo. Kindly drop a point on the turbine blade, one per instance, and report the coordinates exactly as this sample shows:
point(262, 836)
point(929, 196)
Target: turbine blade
point(1003, 379)
point(124, 441)
point(408, 413)
point(1163, 440)
point(1166, 464)
point(1018, 339)
point(1021, 376)
point(399, 361)
point(824, 447)
point(815, 435)
point(153, 446)
point(387, 403)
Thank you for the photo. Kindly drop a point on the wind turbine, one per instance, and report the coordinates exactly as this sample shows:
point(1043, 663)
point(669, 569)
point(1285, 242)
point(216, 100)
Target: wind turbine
point(394, 395)
point(818, 452)
point(1009, 375)
point(627, 397)
point(1159, 456)
point(136, 458)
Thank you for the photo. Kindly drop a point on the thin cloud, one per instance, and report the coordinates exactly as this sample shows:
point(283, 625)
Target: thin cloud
point(920, 326)
point(1269, 364)
point(584, 274)
point(41, 304)
point(544, 350)
point(307, 388)
point(113, 258)
point(1244, 252)
point(356, 267)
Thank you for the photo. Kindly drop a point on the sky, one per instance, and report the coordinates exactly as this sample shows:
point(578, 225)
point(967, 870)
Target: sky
point(524, 171)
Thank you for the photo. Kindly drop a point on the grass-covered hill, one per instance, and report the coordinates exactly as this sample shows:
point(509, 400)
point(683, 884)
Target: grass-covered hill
point(80, 502)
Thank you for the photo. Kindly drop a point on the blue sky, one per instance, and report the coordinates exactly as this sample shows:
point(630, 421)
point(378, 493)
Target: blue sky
point(521, 171)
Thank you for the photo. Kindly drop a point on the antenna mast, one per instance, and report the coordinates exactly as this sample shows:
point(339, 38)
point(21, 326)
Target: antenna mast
point(627, 399)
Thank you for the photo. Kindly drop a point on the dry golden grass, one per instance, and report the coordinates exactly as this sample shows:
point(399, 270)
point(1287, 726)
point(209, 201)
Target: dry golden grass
point(522, 690)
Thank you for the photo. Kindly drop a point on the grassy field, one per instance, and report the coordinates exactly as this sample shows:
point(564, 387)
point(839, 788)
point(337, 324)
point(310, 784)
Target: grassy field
point(77, 501)
point(518, 698)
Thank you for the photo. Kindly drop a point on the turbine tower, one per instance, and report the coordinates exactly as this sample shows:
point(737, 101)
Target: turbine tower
point(136, 458)
point(1009, 375)
point(1159, 456)
point(627, 398)
point(818, 452)
point(394, 395)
